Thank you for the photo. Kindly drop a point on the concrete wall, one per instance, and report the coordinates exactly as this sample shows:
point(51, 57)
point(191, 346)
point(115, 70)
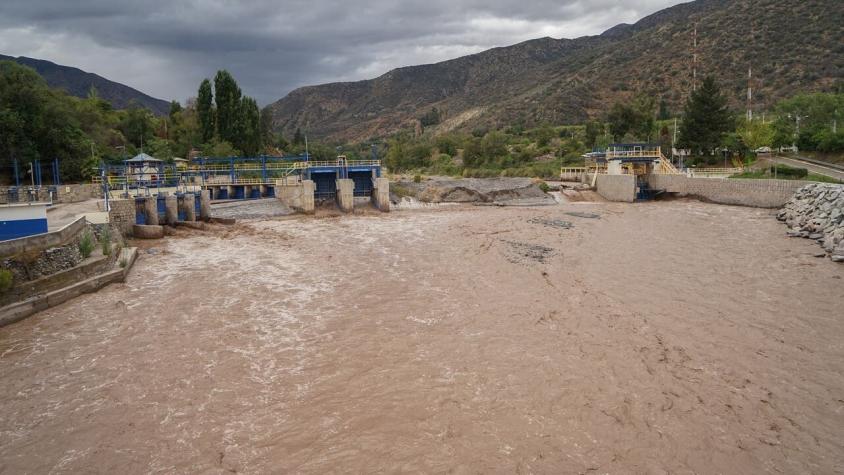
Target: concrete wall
point(346, 194)
point(64, 193)
point(18, 311)
point(122, 215)
point(42, 241)
point(298, 196)
point(617, 187)
point(730, 191)
point(381, 194)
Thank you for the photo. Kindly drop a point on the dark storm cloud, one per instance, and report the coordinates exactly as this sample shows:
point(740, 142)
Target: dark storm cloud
point(165, 47)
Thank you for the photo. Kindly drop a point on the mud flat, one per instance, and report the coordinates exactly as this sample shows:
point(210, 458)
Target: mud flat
point(662, 337)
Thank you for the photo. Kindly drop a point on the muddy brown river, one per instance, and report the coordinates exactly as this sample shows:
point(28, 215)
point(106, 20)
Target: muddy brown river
point(665, 337)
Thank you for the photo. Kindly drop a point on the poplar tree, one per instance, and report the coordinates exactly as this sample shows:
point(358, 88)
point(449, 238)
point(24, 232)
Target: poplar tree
point(228, 100)
point(205, 111)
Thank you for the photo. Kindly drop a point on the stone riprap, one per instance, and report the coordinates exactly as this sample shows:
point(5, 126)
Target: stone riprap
point(816, 212)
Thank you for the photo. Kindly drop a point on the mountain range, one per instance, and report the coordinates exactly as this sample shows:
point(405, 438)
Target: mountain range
point(78, 83)
point(790, 46)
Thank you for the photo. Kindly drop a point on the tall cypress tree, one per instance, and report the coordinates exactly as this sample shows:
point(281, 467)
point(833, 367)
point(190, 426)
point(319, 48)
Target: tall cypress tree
point(228, 106)
point(205, 111)
point(706, 119)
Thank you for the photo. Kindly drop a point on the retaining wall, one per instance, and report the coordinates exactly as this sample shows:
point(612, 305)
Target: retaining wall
point(730, 191)
point(122, 215)
point(63, 193)
point(42, 241)
point(617, 187)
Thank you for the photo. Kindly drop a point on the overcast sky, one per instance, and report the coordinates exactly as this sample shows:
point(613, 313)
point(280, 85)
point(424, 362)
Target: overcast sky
point(165, 47)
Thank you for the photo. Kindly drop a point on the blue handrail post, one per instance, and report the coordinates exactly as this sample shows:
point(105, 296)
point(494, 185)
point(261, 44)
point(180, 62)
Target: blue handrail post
point(37, 171)
point(233, 173)
point(56, 174)
point(264, 168)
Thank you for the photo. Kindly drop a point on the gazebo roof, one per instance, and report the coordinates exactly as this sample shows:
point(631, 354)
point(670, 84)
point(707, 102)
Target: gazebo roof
point(142, 158)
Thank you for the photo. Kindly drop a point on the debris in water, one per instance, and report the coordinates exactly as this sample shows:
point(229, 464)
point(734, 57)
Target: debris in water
point(553, 223)
point(520, 252)
point(580, 214)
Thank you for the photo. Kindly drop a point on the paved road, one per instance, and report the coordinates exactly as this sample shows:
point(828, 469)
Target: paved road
point(818, 169)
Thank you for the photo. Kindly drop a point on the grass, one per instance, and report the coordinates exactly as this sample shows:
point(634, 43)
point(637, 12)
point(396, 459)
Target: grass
point(766, 174)
point(105, 242)
point(86, 245)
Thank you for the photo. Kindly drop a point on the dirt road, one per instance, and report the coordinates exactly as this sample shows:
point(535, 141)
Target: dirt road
point(661, 337)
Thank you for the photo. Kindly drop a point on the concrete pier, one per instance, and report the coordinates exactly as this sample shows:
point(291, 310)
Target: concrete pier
point(171, 209)
point(381, 194)
point(189, 207)
point(151, 210)
point(299, 196)
point(346, 194)
point(205, 205)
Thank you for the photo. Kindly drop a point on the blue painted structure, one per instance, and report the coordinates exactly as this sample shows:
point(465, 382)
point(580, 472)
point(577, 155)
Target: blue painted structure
point(22, 220)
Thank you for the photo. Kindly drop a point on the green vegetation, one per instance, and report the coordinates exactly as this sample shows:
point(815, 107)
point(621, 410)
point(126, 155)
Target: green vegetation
point(706, 119)
point(6, 280)
point(811, 121)
point(86, 245)
point(37, 122)
point(105, 242)
point(784, 172)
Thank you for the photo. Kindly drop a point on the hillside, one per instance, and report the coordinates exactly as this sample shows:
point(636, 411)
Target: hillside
point(78, 83)
point(792, 46)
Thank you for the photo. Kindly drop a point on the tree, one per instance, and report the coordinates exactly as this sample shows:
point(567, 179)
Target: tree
point(138, 126)
point(755, 134)
point(706, 119)
point(205, 111)
point(249, 136)
point(432, 117)
point(663, 113)
point(228, 101)
point(298, 138)
point(636, 118)
point(268, 138)
point(175, 108)
point(594, 129)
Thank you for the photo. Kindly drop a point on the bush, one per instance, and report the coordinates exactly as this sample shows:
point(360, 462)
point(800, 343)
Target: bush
point(786, 171)
point(105, 242)
point(417, 178)
point(123, 262)
point(86, 245)
point(544, 187)
point(6, 279)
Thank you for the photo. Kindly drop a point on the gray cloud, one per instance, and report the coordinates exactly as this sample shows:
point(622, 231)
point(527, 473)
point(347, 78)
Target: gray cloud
point(166, 47)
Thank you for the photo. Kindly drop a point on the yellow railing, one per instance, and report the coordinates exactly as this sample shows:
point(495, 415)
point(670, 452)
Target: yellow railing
point(649, 153)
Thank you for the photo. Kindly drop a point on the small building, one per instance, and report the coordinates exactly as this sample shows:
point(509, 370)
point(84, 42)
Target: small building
point(144, 169)
point(181, 163)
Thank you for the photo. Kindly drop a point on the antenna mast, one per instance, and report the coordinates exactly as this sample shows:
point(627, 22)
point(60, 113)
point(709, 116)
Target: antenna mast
point(749, 94)
point(694, 59)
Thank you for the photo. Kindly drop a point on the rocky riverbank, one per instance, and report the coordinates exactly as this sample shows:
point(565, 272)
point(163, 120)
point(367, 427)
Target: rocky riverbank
point(817, 212)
